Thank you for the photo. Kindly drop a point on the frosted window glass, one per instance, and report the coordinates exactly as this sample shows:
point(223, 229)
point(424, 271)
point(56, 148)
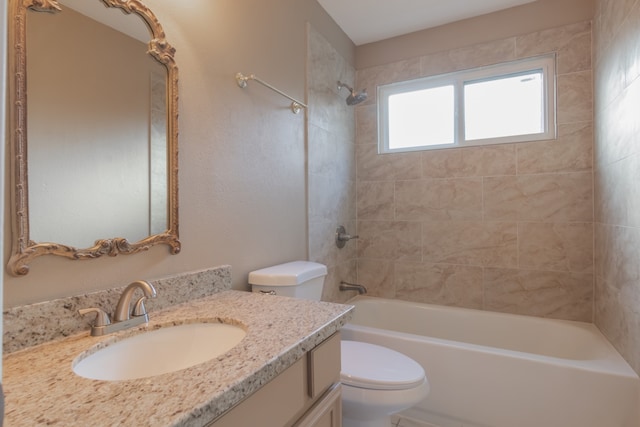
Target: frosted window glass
point(502, 103)
point(506, 106)
point(422, 118)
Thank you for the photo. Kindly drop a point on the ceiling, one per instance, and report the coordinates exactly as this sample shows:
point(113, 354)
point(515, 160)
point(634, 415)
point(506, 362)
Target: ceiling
point(367, 21)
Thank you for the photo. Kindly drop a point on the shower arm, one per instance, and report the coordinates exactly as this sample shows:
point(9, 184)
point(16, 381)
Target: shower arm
point(354, 98)
point(345, 86)
point(296, 105)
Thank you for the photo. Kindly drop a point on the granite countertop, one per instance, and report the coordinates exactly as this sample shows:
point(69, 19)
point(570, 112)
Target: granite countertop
point(41, 389)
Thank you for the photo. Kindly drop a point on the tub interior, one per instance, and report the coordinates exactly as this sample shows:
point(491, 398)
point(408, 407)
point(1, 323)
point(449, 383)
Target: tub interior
point(554, 338)
point(490, 369)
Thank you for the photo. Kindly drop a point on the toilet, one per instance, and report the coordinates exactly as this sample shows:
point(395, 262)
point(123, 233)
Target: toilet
point(376, 381)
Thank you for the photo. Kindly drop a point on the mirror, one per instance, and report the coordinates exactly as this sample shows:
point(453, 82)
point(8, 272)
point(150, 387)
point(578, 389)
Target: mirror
point(94, 145)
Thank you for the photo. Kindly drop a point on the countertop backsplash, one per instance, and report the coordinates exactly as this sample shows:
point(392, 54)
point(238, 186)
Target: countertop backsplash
point(34, 324)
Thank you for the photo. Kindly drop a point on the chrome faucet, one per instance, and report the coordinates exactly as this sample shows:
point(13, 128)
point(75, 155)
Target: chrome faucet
point(123, 311)
point(346, 286)
point(124, 317)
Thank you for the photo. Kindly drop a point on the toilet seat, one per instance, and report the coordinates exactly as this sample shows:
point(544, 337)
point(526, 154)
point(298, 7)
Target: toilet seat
point(374, 367)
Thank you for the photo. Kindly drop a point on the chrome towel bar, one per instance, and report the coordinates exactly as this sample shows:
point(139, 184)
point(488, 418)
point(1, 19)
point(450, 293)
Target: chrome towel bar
point(296, 105)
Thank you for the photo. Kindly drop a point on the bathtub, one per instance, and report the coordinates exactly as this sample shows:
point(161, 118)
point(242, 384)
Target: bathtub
point(491, 369)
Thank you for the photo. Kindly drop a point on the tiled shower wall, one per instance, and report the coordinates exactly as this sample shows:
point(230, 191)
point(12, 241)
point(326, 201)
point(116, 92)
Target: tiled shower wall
point(506, 228)
point(331, 163)
point(617, 174)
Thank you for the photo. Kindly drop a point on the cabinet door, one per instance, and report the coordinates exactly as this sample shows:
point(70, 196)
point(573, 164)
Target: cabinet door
point(327, 412)
point(300, 390)
point(276, 404)
point(324, 366)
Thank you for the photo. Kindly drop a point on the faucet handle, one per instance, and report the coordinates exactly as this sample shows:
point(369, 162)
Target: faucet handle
point(138, 308)
point(102, 318)
point(342, 237)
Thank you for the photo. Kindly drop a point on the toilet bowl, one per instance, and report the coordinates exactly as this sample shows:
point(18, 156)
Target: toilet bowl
point(376, 381)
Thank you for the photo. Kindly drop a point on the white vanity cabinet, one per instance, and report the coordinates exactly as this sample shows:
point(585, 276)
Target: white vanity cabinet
point(307, 394)
point(327, 412)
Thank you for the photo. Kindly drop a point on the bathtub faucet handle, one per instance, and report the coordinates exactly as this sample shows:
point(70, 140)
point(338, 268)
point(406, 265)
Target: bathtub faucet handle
point(342, 237)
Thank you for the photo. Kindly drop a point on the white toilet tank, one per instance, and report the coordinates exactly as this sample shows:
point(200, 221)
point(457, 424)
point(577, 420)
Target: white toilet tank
point(298, 279)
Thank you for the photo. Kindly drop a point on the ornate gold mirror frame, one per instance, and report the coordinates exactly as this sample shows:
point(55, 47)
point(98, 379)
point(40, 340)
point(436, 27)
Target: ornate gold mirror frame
point(24, 250)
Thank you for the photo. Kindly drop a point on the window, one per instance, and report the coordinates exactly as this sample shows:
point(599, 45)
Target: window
point(510, 102)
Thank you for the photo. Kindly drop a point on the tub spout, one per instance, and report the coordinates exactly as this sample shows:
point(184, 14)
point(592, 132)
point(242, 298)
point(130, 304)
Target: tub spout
point(346, 286)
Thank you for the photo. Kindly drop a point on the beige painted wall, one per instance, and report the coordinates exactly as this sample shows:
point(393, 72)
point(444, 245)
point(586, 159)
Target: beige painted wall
point(617, 173)
point(528, 18)
point(504, 228)
point(242, 152)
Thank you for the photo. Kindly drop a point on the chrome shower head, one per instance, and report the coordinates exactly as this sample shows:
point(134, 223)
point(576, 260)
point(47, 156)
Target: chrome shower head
point(354, 97)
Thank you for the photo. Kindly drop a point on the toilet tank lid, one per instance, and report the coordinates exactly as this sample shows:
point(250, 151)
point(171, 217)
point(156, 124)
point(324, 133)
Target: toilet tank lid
point(288, 274)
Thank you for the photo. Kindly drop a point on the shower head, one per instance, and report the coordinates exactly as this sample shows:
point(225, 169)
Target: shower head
point(354, 97)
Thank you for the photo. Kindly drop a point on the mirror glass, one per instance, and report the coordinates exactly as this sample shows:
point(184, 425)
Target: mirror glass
point(101, 122)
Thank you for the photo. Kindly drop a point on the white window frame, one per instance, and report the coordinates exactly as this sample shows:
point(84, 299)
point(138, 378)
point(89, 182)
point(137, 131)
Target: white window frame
point(545, 63)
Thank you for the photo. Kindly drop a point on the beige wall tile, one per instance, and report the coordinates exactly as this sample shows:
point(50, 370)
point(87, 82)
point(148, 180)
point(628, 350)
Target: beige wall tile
point(550, 197)
point(617, 198)
point(321, 198)
point(571, 152)
point(443, 284)
point(611, 76)
point(342, 272)
point(471, 243)
point(577, 55)
point(630, 33)
point(447, 164)
point(371, 78)
point(571, 43)
point(471, 202)
point(558, 295)
point(366, 124)
point(390, 240)
point(556, 246)
point(609, 316)
point(439, 199)
point(328, 110)
point(617, 264)
point(575, 100)
point(617, 239)
point(330, 183)
point(376, 200)
point(618, 321)
point(472, 161)
point(323, 151)
point(321, 249)
point(468, 57)
point(386, 167)
point(610, 16)
point(377, 276)
point(619, 127)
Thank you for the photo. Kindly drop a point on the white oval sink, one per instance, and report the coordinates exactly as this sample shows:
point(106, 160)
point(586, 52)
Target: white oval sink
point(160, 351)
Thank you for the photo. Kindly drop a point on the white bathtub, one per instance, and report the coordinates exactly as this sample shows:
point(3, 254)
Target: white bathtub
point(501, 370)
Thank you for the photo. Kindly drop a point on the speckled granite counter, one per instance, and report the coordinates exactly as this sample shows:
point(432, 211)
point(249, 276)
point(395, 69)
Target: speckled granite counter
point(41, 388)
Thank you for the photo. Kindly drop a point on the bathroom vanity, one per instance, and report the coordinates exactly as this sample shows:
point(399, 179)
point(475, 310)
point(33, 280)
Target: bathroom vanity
point(307, 394)
point(284, 372)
